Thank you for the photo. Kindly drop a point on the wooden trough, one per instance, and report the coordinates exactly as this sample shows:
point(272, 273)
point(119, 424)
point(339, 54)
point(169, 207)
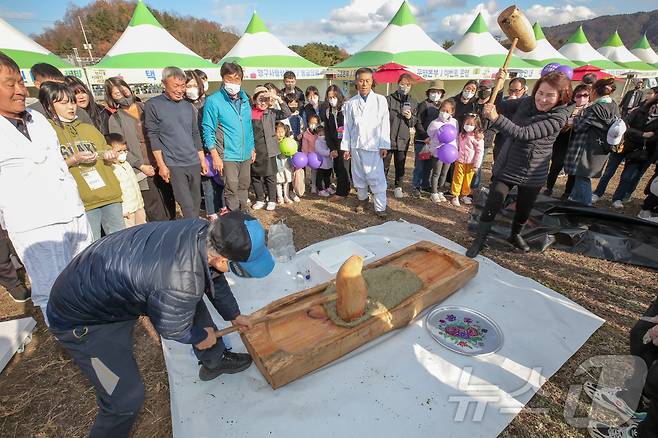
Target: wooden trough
point(288, 348)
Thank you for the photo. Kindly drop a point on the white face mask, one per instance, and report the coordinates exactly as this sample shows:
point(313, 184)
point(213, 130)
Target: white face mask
point(206, 85)
point(333, 101)
point(65, 120)
point(444, 116)
point(192, 93)
point(312, 126)
point(232, 89)
point(435, 97)
point(469, 128)
point(404, 89)
point(467, 94)
point(314, 100)
point(123, 156)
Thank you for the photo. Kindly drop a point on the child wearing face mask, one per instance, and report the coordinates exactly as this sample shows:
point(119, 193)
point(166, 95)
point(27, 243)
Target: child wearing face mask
point(132, 204)
point(312, 103)
point(284, 169)
point(323, 175)
point(308, 145)
point(439, 172)
point(470, 144)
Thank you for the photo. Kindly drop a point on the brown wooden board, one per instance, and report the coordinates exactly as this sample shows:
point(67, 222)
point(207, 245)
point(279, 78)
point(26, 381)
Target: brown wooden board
point(288, 348)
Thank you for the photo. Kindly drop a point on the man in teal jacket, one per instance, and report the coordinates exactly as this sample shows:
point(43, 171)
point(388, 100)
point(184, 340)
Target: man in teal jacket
point(227, 128)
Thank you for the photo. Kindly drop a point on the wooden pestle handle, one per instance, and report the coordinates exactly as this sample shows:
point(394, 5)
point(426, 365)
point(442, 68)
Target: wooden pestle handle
point(282, 313)
point(499, 83)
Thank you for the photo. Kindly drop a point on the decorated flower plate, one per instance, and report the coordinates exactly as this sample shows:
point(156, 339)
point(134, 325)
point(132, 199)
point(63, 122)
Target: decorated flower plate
point(464, 330)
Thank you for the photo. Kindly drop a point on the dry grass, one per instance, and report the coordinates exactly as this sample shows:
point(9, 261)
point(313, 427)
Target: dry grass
point(43, 394)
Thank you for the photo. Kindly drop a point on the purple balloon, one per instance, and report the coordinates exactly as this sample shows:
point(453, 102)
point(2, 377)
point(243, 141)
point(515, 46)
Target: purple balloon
point(314, 160)
point(548, 68)
point(446, 134)
point(211, 170)
point(299, 160)
point(447, 153)
point(568, 71)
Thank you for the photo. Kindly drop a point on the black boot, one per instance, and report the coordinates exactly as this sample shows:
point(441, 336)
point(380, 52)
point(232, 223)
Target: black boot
point(480, 239)
point(231, 363)
point(516, 239)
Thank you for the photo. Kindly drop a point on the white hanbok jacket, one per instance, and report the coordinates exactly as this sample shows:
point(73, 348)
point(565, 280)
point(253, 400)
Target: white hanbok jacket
point(36, 187)
point(367, 126)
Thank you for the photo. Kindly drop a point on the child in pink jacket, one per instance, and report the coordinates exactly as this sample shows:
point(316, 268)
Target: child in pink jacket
point(308, 145)
point(470, 144)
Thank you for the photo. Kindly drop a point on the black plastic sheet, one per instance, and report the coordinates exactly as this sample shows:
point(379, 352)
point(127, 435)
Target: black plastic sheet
point(574, 228)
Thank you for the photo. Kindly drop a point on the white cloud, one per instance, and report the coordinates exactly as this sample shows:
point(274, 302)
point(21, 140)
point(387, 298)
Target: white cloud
point(551, 15)
point(9, 14)
point(436, 4)
point(235, 15)
point(456, 24)
point(362, 17)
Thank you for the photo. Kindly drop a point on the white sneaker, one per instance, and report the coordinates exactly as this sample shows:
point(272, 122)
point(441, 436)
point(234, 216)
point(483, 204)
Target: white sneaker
point(618, 205)
point(331, 190)
point(455, 201)
point(324, 193)
point(644, 214)
point(296, 199)
point(258, 205)
point(398, 193)
point(434, 197)
point(442, 198)
point(595, 199)
point(281, 201)
point(466, 200)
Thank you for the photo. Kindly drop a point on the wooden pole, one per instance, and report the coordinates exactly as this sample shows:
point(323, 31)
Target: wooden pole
point(500, 82)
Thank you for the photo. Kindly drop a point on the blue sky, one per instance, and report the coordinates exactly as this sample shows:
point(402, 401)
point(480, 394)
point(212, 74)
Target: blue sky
point(348, 23)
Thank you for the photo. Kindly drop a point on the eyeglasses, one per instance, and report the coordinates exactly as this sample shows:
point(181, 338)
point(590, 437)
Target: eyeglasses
point(263, 100)
point(582, 95)
point(517, 90)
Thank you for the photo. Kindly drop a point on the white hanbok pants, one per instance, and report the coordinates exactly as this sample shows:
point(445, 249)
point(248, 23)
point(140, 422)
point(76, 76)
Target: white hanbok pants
point(46, 251)
point(368, 171)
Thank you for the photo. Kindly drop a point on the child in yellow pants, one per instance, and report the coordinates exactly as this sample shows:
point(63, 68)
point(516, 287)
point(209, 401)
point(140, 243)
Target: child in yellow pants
point(470, 145)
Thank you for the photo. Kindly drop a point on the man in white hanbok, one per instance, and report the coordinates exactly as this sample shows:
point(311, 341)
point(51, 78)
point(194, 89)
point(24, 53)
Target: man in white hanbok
point(39, 202)
point(366, 141)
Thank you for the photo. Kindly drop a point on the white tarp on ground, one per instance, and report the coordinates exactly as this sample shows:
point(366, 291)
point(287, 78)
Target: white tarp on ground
point(14, 334)
point(404, 383)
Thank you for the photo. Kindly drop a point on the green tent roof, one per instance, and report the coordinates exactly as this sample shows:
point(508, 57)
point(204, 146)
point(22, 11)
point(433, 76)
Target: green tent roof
point(256, 25)
point(478, 25)
point(404, 16)
point(142, 15)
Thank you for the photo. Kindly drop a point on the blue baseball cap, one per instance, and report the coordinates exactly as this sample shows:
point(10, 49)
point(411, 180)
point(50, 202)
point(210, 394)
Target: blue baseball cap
point(241, 239)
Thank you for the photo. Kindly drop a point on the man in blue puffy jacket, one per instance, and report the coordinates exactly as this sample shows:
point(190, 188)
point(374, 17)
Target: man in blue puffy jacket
point(227, 129)
point(162, 270)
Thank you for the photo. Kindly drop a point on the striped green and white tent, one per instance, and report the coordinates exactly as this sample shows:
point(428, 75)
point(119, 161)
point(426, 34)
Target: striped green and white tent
point(580, 51)
point(144, 49)
point(613, 49)
point(478, 47)
point(27, 52)
point(642, 49)
point(544, 53)
point(263, 56)
point(405, 43)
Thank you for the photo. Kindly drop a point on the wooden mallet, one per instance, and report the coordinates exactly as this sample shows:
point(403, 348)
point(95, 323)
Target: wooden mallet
point(519, 31)
point(351, 297)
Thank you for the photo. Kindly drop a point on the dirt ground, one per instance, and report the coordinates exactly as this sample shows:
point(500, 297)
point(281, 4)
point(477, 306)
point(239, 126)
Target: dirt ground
point(43, 394)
